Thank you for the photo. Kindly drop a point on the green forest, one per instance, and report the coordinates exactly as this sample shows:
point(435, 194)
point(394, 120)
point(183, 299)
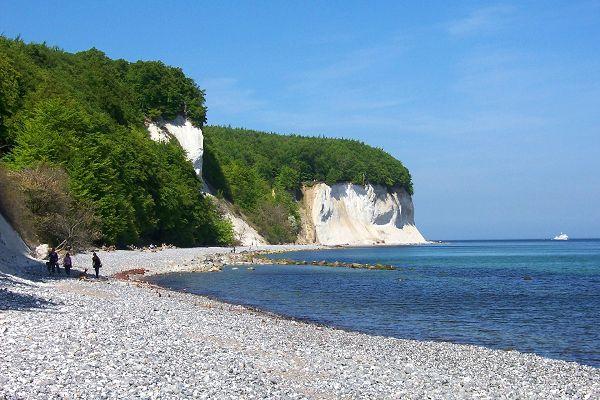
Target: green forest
point(84, 113)
point(80, 118)
point(263, 173)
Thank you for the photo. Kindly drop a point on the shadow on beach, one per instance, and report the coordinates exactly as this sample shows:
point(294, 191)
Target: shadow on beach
point(10, 300)
point(35, 271)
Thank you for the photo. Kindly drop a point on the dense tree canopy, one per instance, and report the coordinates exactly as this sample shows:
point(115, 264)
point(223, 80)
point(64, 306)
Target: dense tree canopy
point(291, 160)
point(262, 173)
point(85, 113)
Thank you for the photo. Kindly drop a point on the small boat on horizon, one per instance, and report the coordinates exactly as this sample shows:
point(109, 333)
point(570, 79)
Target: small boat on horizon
point(562, 236)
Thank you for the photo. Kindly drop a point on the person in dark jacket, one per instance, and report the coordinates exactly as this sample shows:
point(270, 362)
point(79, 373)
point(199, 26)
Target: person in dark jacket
point(53, 261)
point(96, 264)
point(67, 263)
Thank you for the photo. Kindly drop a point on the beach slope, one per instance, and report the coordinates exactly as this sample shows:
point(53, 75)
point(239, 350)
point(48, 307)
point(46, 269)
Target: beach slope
point(68, 338)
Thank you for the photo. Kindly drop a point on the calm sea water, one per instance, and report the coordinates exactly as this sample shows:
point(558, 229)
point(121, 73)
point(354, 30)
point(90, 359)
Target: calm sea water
point(464, 292)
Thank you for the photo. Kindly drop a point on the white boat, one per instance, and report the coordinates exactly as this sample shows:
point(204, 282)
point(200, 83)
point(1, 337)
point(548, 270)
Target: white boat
point(562, 236)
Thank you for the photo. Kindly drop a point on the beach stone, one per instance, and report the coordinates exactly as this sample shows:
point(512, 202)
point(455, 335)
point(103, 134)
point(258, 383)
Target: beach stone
point(118, 339)
point(42, 251)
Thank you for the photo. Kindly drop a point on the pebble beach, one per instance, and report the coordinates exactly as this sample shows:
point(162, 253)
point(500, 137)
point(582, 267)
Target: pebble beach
point(66, 338)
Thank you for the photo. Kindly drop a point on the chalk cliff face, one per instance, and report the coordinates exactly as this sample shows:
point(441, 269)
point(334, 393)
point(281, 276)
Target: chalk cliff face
point(349, 214)
point(245, 234)
point(189, 137)
point(13, 250)
point(341, 214)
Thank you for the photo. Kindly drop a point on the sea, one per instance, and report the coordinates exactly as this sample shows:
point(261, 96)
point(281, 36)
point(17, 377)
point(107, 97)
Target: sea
point(534, 296)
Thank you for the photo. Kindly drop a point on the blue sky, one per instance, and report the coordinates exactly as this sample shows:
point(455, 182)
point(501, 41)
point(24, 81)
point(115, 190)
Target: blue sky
point(493, 106)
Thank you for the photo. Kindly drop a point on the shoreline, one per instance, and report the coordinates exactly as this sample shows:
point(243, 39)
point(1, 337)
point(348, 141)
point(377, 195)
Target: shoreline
point(308, 321)
point(147, 341)
point(195, 259)
point(143, 283)
point(261, 260)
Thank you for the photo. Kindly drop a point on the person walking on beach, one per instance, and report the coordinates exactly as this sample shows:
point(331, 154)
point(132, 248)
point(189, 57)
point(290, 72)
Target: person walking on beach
point(53, 261)
point(96, 264)
point(67, 263)
point(49, 265)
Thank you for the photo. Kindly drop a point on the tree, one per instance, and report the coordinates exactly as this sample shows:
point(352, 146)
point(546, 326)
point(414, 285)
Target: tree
point(50, 214)
point(85, 113)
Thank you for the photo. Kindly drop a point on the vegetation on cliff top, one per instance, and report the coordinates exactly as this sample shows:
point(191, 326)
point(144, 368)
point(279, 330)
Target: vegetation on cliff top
point(291, 159)
point(84, 113)
point(263, 173)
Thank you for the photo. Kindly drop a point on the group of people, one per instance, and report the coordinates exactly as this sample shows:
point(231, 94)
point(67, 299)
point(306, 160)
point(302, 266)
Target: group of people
point(54, 267)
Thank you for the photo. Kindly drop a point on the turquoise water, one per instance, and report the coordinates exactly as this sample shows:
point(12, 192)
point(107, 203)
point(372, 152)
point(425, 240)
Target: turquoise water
point(532, 296)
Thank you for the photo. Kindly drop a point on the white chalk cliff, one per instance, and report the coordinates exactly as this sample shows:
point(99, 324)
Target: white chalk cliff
point(349, 214)
point(14, 253)
point(191, 140)
point(245, 234)
point(341, 214)
point(187, 135)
